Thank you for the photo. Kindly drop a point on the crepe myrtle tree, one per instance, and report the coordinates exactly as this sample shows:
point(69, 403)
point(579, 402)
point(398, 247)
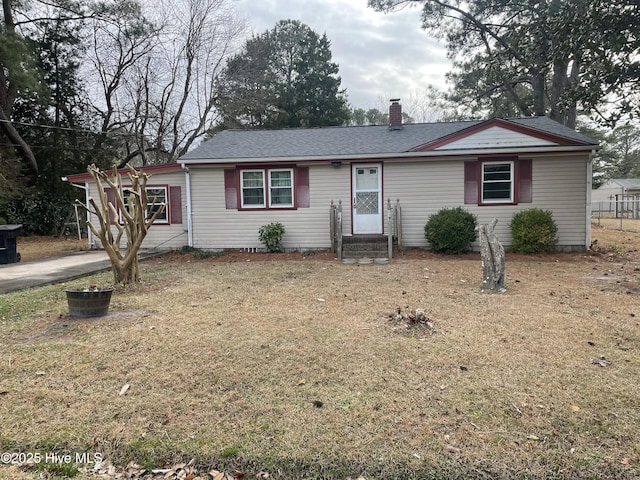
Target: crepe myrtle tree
point(128, 214)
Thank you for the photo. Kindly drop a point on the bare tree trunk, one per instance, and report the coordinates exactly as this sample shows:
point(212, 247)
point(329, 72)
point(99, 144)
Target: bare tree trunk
point(22, 148)
point(8, 91)
point(558, 86)
point(132, 209)
point(492, 253)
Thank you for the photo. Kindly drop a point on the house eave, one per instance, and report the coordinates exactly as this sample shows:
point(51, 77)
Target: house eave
point(420, 155)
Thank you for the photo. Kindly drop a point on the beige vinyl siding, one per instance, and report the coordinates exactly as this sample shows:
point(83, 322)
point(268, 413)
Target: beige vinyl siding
point(559, 185)
point(215, 227)
point(423, 188)
point(160, 236)
point(494, 137)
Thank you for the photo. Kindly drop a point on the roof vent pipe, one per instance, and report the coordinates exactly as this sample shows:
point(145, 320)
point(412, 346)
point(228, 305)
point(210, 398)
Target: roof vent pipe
point(395, 114)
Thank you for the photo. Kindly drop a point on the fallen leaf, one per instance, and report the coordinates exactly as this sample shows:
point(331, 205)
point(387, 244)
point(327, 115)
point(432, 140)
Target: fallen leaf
point(452, 449)
point(602, 361)
point(217, 475)
point(124, 389)
point(533, 437)
point(161, 470)
point(575, 408)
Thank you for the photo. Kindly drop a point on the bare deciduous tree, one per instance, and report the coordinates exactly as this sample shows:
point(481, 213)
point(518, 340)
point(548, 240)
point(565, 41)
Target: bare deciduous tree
point(133, 217)
point(157, 73)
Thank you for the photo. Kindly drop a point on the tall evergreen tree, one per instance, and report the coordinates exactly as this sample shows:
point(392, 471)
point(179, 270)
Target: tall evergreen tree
point(282, 78)
point(539, 57)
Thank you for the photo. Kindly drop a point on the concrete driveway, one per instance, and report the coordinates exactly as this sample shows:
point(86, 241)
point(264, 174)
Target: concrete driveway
point(20, 276)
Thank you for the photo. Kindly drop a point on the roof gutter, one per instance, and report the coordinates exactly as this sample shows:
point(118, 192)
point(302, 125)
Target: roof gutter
point(430, 154)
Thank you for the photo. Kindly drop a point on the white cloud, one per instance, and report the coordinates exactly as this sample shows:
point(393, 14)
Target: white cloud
point(379, 55)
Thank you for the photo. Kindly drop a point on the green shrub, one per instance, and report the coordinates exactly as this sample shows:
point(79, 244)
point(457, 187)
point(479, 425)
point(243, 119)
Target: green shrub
point(40, 213)
point(271, 236)
point(451, 230)
point(533, 231)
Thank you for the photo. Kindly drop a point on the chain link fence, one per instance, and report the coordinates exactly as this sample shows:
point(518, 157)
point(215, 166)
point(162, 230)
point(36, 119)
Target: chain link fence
point(621, 212)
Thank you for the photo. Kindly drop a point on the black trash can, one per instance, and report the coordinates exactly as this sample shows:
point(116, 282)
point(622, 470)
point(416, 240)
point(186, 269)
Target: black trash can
point(8, 246)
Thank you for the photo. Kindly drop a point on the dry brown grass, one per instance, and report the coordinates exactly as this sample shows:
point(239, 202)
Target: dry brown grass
point(36, 248)
point(226, 359)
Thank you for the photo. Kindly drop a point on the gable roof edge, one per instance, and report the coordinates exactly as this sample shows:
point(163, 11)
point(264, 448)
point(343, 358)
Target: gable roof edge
point(560, 140)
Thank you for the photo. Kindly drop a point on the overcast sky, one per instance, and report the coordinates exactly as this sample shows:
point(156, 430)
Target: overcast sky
point(381, 56)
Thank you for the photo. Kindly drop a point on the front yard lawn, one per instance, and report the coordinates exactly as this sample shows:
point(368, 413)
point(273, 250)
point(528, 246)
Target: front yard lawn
point(303, 369)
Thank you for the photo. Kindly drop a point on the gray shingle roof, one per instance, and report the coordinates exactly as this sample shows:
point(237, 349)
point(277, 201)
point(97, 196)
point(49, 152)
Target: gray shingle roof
point(344, 141)
point(628, 183)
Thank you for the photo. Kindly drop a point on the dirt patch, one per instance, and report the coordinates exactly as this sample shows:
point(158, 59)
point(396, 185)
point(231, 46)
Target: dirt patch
point(65, 328)
point(414, 322)
point(231, 256)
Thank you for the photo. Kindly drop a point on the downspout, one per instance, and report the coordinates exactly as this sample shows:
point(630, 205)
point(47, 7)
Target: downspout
point(187, 181)
point(84, 187)
point(588, 209)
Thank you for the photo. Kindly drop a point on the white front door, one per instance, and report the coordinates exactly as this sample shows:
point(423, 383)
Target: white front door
point(367, 198)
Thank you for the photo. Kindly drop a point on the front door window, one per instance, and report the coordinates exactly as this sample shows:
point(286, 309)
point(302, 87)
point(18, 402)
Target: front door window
point(367, 194)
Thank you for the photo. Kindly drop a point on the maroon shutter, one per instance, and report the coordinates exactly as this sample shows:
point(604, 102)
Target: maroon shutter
point(231, 189)
point(111, 198)
point(471, 182)
point(302, 187)
point(175, 204)
point(525, 186)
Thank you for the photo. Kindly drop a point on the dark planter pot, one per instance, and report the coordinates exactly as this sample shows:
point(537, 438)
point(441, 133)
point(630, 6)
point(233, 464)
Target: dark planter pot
point(94, 303)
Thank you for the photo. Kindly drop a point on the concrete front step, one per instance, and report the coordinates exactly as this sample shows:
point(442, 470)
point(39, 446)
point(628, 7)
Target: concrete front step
point(365, 246)
point(365, 254)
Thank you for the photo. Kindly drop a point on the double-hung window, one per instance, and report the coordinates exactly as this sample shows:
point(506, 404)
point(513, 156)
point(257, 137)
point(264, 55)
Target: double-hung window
point(252, 184)
point(497, 182)
point(280, 188)
point(156, 198)
point(270, 188)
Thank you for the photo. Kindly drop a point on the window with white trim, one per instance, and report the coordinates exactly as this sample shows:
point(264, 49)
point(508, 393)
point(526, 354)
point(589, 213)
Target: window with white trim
point(280, 188)
point(272, 187)
point(156, 198)
point(252, 184)
point(497, 182)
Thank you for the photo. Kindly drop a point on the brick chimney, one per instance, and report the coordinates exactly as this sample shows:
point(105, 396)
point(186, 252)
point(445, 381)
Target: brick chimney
point(395, 114)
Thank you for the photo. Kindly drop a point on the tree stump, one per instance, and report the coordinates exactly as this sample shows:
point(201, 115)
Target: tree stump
point(492, 253)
